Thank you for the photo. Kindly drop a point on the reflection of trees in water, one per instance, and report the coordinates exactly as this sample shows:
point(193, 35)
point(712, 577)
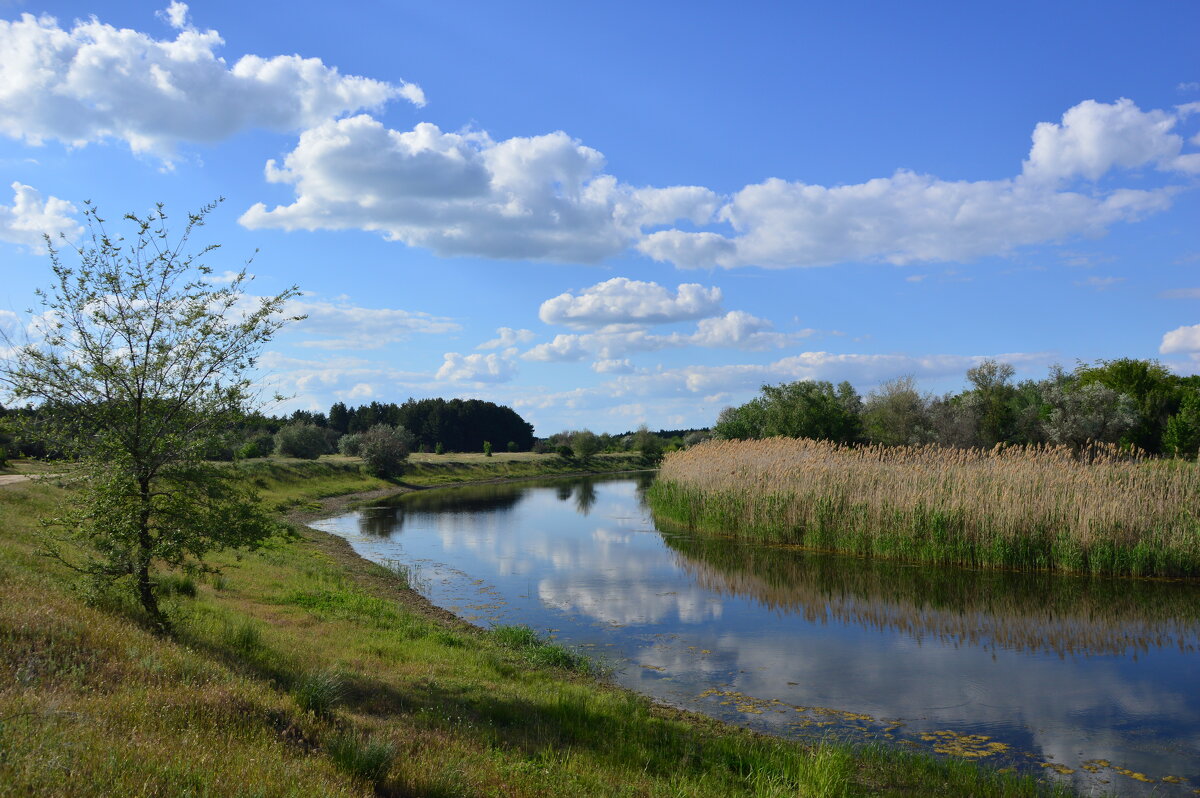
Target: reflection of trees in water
point(1026, 612)
point(381, 521)
point(585, 496)
point(644, 480)
point(563, 491)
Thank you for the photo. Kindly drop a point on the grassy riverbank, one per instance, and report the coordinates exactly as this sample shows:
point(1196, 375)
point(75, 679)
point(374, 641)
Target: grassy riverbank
point(304, 670)
point(1017, 508)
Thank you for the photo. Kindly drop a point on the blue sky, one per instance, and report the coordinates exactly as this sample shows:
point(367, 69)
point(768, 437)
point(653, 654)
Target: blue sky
point(613, 214)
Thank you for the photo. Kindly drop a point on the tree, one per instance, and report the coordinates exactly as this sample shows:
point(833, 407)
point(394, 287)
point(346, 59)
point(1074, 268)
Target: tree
point(992, 398)
point(1181, 438)
point(897, 414)
point(649, 445)
point(301, 439)
point(803, 409)
point(585, 444)
point(1156, 392)
point(384, 449)
point(1093, 412)
point(145, 365)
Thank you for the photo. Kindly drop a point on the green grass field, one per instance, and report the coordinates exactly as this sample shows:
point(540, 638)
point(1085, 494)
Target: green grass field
point(304, 670)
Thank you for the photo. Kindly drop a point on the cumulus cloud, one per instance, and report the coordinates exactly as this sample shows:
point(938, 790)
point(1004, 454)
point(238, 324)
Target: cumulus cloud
point(537, 198)
point(622, 301)
point(547, 198)
point(1181, 339)
point(735, 329)
point(613, 366)
point(1093, 138)
point(477, 368)
point(911, 217)
point(507, 337)
point(31, 217)
point(342, 325)
point(95, 82)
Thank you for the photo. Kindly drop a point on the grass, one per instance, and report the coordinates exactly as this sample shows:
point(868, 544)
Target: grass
point(304, 670)
point(1020, 508)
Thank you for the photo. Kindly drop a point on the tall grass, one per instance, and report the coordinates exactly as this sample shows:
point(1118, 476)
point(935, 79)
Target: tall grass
point(1026, 508)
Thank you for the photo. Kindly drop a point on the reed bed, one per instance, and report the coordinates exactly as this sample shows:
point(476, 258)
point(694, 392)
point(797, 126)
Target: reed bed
point(1026, 508)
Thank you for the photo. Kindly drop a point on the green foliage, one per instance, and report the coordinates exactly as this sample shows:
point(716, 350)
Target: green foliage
point(648, 445)
point(384, 449)
point(487, 448)
point(301, 439)
point(1155, 391)
point(1181, 438)
point(461, 425)
point(1091, 412)
point(803, 409)
point(585, 445)
point(140, 365)
point(260, 445)
point(897, 414)
point(350, 445)
point(512, 446)
point(538, 651)
point(439, 448)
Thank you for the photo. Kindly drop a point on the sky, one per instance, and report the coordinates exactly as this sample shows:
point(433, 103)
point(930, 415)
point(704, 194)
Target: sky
point(604, 215)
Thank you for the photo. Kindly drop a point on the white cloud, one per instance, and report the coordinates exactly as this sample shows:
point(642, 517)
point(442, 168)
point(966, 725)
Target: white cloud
point(30, 218)
point(477, 368)
point(538, 198)
point(1181, 293)
point(736, 329)
point(623, 301)
point(96, 82)
point(342, 325)
point(1099, 283)
point(613, 366)
point(1095, 137)
point(1181, 339)
point(901, 219)
point(910, 217)
point(226, 277)
point(507, 337)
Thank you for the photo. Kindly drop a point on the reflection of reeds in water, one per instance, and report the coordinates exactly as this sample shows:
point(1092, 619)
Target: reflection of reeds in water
point(1016, 507)
point(1066, 615)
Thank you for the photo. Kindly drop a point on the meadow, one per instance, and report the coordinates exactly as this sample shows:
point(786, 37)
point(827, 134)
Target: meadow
point(1016, 507)
point(301, 669)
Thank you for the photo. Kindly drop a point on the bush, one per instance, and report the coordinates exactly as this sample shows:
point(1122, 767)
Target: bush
point(487, 448)
point(306, 441)
point(439, 449)
point(512, 446)
point(260, 445)
point(385, 449)
point(350, 445)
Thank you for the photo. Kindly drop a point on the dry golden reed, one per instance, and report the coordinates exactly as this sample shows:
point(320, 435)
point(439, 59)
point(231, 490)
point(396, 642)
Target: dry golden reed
point(1035, 507)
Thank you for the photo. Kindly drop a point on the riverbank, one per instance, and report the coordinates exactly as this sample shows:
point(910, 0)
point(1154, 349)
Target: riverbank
point(1015, 508)
point(303, 669)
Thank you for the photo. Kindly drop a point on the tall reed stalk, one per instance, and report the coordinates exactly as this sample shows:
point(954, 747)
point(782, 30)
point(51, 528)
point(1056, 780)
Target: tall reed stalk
point(1026, 508)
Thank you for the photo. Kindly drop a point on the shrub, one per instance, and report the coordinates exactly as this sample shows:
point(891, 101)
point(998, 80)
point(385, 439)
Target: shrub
point(439, 449)
point(512, 446)
point(350, 445)
point(260, 445)
point(487, 448)
point(384, 449)
point(306, 441)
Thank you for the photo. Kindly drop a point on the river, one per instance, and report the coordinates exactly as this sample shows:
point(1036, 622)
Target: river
point(1092, 681)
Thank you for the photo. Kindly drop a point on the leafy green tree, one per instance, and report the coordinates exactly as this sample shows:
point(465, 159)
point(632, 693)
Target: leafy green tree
point(897, 414)
point(487, 448)
point(350, 445)
point(1182, 435)
point(145, 364)
point(648, 445)
point(1155, 391)
point(992, 399)
point(385, 449)
point(1081, 414)
point(585, 444)
point(803, 409)
point(303, 440)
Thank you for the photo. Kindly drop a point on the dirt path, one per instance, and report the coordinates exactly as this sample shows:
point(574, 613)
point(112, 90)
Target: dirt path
point(12, 479)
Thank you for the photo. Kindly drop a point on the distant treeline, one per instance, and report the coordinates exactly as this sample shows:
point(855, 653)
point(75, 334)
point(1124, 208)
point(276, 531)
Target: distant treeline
point(1132, 403)
point(452, 425)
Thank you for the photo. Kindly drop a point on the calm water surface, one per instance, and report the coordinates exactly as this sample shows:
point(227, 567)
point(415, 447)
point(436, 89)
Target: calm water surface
point(1093, 681)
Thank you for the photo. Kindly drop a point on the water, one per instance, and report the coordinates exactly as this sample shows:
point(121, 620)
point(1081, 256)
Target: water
point(1087, 680)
